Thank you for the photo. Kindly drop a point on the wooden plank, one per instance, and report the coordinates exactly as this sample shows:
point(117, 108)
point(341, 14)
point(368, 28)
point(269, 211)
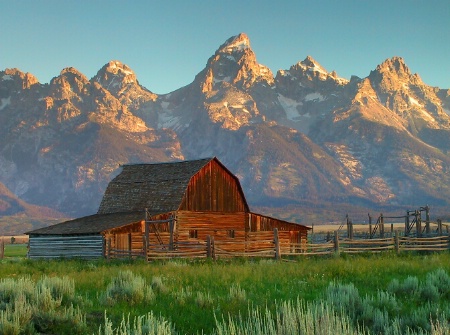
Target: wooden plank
point(62, 246)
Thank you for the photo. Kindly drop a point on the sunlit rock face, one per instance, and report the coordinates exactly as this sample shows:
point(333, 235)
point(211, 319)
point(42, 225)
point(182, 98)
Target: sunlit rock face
point(303, 136)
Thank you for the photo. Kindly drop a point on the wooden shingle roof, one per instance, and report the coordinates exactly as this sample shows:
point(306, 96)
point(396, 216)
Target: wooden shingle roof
point(158, 187)
point(92, 224)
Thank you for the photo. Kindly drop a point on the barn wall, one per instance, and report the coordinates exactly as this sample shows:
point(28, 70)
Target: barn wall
point(126, 238)
point(213, 188)
point(198, 225)
point(297, 233)
point(50, 246)
point(162, 228)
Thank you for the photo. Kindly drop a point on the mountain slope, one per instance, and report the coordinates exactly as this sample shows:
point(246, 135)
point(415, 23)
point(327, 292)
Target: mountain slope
point(302, 137)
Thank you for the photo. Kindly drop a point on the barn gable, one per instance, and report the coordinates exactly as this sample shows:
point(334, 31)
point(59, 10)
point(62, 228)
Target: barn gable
point(215, 189)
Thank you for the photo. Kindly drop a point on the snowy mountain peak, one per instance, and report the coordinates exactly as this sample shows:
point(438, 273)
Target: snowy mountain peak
point(115, 76)
point(235, 44)
point(312, 65)
point(73, 72)
point(118, 68)
point(394, 65)
point(26, 80)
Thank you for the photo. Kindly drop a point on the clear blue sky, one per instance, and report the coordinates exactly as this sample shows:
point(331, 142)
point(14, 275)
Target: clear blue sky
point(168, 42)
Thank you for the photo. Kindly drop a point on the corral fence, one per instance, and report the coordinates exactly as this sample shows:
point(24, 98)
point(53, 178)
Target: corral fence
point(270, 244)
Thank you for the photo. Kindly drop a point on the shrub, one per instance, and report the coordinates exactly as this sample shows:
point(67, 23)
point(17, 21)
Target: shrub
point(288, 318)
point(158, 284)
point(182, 295)
point(204, 300)
point(127, 287)
point(236, 293)
point(142, 325)
point(27, 307)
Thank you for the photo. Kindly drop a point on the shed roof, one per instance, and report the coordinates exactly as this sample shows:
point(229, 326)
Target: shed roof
point(159, 187)
point(92, 224)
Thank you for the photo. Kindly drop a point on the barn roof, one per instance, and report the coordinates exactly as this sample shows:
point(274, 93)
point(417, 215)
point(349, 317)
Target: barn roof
point(159, 187)
point(92, 224)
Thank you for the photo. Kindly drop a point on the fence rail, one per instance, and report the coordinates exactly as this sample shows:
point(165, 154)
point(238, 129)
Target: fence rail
point(268, 245)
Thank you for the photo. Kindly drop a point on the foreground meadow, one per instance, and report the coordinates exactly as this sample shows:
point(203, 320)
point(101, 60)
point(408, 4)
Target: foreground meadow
point(365, 294)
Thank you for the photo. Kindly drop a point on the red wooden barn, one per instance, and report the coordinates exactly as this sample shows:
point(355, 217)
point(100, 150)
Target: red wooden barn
point(158, 206)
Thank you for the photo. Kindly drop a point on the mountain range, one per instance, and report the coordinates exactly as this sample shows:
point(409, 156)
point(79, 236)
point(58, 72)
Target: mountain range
point(305, 143)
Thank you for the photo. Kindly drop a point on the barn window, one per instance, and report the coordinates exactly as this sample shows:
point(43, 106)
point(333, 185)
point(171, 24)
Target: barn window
point(231, 233)
point(193, 233)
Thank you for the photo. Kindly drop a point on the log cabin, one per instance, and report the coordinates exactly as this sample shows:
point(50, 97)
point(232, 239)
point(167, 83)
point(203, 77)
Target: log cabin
point(161, 206)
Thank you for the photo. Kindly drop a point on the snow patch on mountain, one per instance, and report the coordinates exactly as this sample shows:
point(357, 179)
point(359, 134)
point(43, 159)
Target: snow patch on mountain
point(290, 107)
point(316, 96)
point(414, 101)
point(5, 102)
point(7, 77)
point(237, 45)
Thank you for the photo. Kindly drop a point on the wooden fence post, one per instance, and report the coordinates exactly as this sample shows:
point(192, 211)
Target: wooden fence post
point(418, 223)
point(407, 223)
point(381, 225)
point(171, 230)
point(208, 247)
point(277, 244)
point(336, 242)
point(130, 241)
point(439, 223)
point(397, 242)
point(213, 248)
point(108, 248)
point(144, 252)
point(2, 249)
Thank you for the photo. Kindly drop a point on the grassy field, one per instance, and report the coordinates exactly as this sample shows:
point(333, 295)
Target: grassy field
point(376, 293)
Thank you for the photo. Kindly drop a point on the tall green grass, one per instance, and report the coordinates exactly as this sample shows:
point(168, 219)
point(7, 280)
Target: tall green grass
point(368, 294)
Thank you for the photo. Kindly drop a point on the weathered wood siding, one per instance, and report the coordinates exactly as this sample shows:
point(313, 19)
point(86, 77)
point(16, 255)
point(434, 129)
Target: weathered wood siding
point(127, 238)
point(213, 188)
point(198, 225)
point(297, 233)
point(88, 246)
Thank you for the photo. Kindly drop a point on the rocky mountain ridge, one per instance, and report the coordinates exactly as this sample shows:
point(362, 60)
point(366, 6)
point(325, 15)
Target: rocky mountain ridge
point(301, 137)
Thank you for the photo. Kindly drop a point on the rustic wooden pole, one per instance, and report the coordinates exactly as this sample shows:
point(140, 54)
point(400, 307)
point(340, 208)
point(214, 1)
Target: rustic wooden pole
point(147, 233)
point(407, 223)
point(418, 223)
point(2, 248)
point(370, 225)
point(171, 228)
point(108, 248)
point(397, 242)
point(381, 225)
point(439, 223)
point(208, 247)
point(213, 248)
point(348, 225)
point(427, 220)
point(392, 229)
point(277, 244)
point(130, 241)
point(143, 245)
point(336, 242)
